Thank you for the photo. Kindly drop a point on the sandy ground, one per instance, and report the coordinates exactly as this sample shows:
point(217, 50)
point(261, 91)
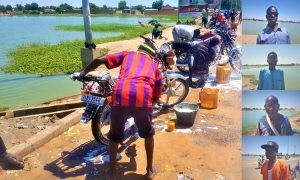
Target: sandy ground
point(249, 39)
point(250, 170)
point(210, 149)
point(247, 85)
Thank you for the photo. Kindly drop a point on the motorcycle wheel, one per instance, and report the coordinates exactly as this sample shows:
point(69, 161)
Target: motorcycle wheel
point(182, 69)
point(225, 49)
point(101, 124)
point(177, 85)
point(236, 65)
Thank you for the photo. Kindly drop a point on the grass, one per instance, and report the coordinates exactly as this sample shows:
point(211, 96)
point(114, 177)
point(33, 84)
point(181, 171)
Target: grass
point(249, 130)
point(252, 79)
point(65, 57)
point(4, 108)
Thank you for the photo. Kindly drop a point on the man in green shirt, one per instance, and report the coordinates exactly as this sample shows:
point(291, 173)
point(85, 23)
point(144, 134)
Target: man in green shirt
point(204, 16)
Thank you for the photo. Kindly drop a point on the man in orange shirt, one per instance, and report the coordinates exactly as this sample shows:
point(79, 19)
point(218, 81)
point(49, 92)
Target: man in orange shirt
point(272, 168)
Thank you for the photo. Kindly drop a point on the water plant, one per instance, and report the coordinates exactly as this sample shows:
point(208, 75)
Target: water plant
point(46, 59)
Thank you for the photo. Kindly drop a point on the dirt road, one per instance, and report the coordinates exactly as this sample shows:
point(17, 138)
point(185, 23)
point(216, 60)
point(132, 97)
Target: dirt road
point(210, 149)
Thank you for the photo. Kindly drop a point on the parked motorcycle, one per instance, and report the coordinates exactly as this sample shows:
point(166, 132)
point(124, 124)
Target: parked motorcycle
point(211, 23)
point(97, 92)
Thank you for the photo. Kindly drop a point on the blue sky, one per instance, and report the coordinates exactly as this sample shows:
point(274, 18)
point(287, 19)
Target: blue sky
point(254, 54)
point(287, 9)
point(287, 99)
point(251, 144)
point(78, 3)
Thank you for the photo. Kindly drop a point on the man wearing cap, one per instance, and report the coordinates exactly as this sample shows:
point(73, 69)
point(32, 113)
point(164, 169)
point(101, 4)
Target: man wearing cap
point(273, 33)
point(273, 123)
point(137, 89)
point(271, 78)
point(272, 168)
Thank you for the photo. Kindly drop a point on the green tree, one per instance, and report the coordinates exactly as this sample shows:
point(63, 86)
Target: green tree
point(2, 8)
point(59, 9)
point(27, 6)
point(158, 4)
point(104, 7)
point(52, 7)
point(66, 6)
point(140, 8)
point(19, 7)
point(34, 6)
point(227, 4)
point(122, 5)
point(8, 7)
point(93, 6)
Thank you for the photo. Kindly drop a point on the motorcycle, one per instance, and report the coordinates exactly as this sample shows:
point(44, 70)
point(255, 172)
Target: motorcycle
point(97, 93)
point(211, 23)
point(227, 48)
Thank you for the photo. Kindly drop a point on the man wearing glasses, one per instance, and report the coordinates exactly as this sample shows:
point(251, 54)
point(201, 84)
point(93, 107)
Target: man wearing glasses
point(273, 33)
point(271, 78)
point(273, 123)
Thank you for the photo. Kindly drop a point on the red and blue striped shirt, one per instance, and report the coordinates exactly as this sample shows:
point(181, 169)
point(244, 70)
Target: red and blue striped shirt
point(139, 81)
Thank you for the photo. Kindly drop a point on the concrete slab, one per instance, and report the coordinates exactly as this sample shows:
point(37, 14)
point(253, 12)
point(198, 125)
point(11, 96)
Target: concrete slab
point(47, 134)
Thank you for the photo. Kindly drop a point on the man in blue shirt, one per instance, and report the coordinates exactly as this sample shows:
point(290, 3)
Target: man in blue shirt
point(271, 78)
point(273, 33)
point(156, 33)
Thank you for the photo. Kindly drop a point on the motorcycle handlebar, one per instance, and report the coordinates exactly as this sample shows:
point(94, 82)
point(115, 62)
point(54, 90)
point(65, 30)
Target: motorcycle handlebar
point(147, 39)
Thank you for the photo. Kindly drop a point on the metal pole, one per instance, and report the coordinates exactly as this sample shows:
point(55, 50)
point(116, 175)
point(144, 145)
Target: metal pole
point(87, 24)
point(178, 11)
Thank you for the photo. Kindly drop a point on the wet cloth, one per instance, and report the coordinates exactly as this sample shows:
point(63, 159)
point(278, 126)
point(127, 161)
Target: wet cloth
point(269, 36)
point(263, 128)
point(139, 81)
point(271, 80)
point(280, 171)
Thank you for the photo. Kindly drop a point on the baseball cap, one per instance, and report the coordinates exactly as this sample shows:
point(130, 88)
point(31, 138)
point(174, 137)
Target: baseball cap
point(270, 144)
point(147, 50)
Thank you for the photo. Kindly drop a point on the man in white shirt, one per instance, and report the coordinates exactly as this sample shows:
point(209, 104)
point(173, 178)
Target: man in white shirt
point(185, 31)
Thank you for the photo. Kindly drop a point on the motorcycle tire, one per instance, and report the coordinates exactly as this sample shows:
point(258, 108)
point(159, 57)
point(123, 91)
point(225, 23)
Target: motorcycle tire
point(97, 123)
point(182, 69)
point(182, 98)
point(234, 67)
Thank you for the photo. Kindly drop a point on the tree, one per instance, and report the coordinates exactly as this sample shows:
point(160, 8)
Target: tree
point(93, 6)
point(140, 8)
point(158, 4)
point(27, 6)
point(52, 7)
point(104, 7)
point(8, 7)
point(19, 7)
point(34, 6)
point(59, 9)
point(66, 6)
point(227, 4)
point(2, 8)
point(122, 5)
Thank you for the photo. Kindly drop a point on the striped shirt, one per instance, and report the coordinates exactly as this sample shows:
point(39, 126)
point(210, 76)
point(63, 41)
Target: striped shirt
point(263, 128)
point(139, 81)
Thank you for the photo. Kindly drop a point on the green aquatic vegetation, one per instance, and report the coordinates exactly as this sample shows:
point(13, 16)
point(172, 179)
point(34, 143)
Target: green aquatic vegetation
point(65, 57)
point(4, 108)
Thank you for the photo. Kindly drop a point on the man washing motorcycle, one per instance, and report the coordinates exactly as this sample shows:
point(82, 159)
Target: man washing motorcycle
point(137, 89)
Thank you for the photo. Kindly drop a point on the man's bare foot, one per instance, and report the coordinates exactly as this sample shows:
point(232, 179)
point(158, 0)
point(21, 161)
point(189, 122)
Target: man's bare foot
point(10, 161)
point(150, 174)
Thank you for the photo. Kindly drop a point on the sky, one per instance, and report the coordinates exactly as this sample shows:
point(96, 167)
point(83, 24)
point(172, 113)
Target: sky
point(251, 144)
point(287, 99)
point(78, 3)
point(254, 54)
point(288, 9)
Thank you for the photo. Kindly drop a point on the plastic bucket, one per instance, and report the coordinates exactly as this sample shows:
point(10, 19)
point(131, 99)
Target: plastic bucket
point(209, 97)
point(186, 113)
point(223, 74)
